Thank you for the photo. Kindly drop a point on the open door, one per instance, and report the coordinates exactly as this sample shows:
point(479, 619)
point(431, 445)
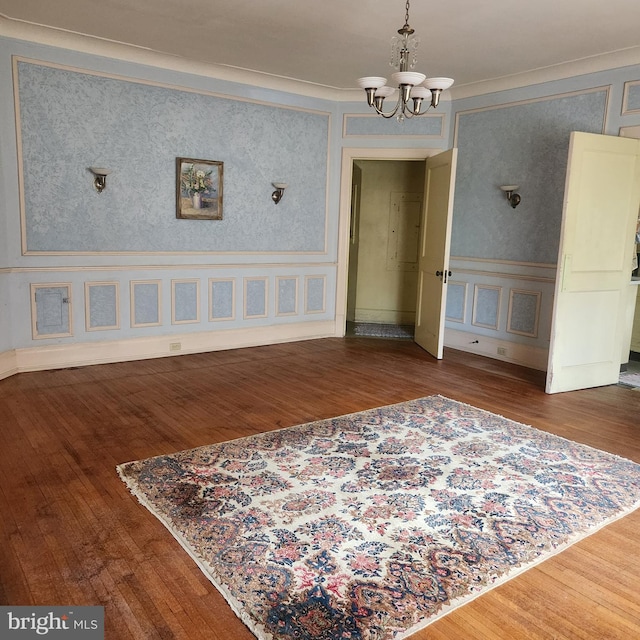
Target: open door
point(433, 260)
point(602, 195)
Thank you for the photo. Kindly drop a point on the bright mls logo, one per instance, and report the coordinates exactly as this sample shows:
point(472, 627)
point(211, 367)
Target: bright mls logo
point(23, 623)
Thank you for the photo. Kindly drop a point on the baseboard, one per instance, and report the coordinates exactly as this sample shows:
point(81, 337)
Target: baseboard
point(82, 354)
point(385, 316)
point(532, 357)
point(8, 364)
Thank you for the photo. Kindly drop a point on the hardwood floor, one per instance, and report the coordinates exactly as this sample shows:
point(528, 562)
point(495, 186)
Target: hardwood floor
point(72, 533)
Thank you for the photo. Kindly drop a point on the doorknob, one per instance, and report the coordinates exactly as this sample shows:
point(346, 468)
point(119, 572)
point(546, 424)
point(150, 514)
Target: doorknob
point(446, 274)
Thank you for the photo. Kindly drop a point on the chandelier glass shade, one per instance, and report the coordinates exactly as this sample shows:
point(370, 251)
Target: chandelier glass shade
point(414, 88)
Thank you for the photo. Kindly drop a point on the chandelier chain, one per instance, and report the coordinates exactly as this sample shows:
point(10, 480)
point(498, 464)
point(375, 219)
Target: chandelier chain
point(406, 14)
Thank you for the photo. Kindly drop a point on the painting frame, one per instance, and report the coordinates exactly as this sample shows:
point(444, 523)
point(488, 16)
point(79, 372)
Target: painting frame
point(199, 189)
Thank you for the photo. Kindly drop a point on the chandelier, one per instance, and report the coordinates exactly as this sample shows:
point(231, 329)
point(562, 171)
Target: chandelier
point(411, 85)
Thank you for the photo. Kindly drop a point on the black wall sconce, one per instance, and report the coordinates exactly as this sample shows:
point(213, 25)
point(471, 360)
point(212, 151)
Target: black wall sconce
point(276, 196)
point(100, 178)
point(513, 197)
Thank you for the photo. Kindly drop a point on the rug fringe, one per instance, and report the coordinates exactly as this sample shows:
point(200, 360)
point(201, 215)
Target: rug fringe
point(208, 570)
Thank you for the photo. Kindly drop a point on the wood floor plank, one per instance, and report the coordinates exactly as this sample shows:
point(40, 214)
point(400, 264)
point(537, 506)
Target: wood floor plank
point(71, 533)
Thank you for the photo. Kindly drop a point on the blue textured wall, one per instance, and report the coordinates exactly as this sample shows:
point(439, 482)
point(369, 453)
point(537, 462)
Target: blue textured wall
point(262, 265)
point(72, 120)
point(524, 144)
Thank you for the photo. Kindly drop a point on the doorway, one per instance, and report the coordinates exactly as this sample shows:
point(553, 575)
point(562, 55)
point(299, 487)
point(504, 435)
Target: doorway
point(348, 187)
point(384, 234)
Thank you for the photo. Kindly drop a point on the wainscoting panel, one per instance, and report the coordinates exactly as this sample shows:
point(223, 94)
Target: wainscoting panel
point(167, 314)
point(524, 312)
point(486, 306)
point(631, 100)
point(102, 306)
point(51, 310)
point(255, 297)
point(500, 309)
point(145, 303)
point(456, 301)
point(185, 301)
point(286, 296)
point(315, 300)
point(222, 299)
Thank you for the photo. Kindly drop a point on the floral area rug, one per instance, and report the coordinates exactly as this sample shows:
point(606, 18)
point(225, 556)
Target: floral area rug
point(373, 525)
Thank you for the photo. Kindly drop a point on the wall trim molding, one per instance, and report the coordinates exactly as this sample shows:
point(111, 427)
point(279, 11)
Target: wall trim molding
point(514, 352)
point(61, 356)
point(8, 364)
point(30, 32)
point(171, 267)
point(349, 154)
point(606, 89)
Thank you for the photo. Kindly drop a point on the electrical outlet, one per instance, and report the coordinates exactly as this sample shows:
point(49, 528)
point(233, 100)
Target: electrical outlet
point(502, 351)
point(175, 346)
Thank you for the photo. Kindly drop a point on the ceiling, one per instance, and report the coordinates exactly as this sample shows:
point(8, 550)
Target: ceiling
point(333, 42)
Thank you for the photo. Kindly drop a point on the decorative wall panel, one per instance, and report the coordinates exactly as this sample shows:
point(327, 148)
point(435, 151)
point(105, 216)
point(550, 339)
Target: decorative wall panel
point(315, 288)
point(524, 312)
point(456, 301)
point(145, 303)
point(287, 296)
point(222, 299)
point(631, 100)
point(72, 119)
point(255, 297)
point(102, 305)
point(430, 126)
point(185, 301)
point(51, 310)
point(524, 143)
point(486, 306)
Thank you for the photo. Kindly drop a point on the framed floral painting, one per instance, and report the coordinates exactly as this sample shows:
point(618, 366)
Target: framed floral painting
point(199, 189)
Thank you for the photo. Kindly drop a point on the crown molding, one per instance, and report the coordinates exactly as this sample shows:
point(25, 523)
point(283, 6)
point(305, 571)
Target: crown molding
point(92, 45)
point(594, 64)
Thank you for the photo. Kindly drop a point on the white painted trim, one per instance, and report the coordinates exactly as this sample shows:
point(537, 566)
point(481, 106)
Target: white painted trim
point(516, 353)
point(92, 45)
point(88, 353)
point(562, 71)
point(172, 267)
point(8, 364)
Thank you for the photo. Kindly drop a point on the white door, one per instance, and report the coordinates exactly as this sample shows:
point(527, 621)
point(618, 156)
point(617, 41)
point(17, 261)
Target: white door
point(435, 241)
point(602, 195)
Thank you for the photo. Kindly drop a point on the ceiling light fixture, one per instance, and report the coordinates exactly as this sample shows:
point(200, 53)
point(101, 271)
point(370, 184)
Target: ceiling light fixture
point(412, 85)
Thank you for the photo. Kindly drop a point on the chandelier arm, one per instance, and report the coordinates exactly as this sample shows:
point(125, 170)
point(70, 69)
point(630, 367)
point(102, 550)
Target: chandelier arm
point(388, 114)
